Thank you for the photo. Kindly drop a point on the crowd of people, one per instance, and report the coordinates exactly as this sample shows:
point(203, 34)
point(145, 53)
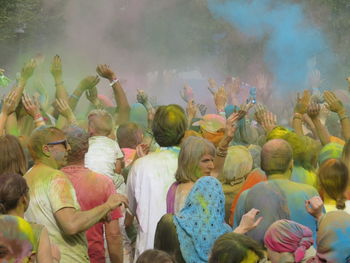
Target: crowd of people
point(159, 183)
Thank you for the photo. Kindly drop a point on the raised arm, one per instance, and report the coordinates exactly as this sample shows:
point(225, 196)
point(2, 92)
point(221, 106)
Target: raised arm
point(56, 72)
point(122, 102)
point(85, 84)
point(72, 221)
point(221, 152)
point(33, 110)
point(8, 107)
point(66, 112)
point(335, 105)
point(299, 110)
point(313, 112)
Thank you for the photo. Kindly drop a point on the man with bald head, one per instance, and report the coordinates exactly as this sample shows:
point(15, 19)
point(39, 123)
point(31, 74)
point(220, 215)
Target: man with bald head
point(278, 198)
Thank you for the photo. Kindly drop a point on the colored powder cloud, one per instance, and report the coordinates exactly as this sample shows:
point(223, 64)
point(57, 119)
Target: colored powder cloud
point(291, 40)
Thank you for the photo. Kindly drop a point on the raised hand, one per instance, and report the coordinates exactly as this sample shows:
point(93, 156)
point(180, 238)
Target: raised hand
point(314, 206)
point(89, 82)
point(249, 221)
point(142, 150)
point(28, 69)
point(105, 72)
point(302, 102)
point(313, 110)
point(9, 104)
point(269, 121)
point(191, 109)
point(186, 93)
point(220, 99)
point(231, 124)
point(32, 107)
point(141, 96)
point(91, 95)
point(56, 67)
point(259, 112)
point(116, 200)
point(333, 103)
point(64, 109)
point(212, 86)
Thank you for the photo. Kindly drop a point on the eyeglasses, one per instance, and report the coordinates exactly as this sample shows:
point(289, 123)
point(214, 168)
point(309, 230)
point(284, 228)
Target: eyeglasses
point(63, 142)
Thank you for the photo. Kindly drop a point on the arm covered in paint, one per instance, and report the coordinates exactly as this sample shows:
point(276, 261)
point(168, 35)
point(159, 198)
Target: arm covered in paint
point(335, 105)
point(8, 107)
point(85, 84)
point(322, 133)
point(56, 71)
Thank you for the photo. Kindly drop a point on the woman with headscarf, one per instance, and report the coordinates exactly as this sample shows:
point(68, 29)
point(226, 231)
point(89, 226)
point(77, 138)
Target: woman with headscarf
point(288, 241)
point(238, 164)
point(190, 234)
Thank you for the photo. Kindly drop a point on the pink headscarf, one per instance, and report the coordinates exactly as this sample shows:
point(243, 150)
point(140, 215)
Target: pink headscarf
point(289, 236)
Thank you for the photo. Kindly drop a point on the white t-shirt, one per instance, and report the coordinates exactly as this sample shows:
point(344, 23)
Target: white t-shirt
point(148, 182)
point(102, 155)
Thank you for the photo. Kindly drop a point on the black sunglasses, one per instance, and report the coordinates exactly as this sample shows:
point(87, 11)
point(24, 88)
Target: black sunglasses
point(63, 142)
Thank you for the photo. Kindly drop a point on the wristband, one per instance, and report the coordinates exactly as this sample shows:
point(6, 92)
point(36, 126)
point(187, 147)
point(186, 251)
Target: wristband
point(73, 96)
point(114, 81)
point(59, 83)
point(41, 119)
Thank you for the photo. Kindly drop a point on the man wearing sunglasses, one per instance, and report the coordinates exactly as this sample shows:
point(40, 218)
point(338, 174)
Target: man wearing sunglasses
point(53, 201)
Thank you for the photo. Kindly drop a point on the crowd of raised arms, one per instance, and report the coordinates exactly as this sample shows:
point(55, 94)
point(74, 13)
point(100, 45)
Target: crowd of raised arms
point(152, 183)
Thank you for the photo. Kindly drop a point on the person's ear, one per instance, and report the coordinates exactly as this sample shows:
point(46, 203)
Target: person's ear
point(26, 200)
point(45, 150)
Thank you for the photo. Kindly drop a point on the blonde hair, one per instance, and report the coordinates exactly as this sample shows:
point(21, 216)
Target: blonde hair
point(40, 137)
point(192, 150)
point(238, 163)
point(101, 122)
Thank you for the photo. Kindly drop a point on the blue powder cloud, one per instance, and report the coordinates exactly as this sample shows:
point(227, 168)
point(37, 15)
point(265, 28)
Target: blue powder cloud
point(291, 39)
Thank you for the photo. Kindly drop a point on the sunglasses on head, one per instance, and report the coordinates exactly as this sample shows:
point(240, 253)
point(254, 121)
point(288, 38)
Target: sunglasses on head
point(63, 142)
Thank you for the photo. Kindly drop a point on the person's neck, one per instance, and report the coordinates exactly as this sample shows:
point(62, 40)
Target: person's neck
point(76, 163)
point(285, 176)
point(18, 211)
point(49, 162)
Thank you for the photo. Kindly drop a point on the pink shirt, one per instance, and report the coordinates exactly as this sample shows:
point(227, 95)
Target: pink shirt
point(92, 190)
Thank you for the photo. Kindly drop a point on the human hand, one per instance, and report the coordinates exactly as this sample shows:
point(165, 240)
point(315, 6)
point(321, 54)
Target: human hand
point(245, 108)
point(186, 93)
point(9, 104)
point(302, 102)
point(212, 86)
point(141, 96)
point(116, 200)
point(32, 107)
point(56, 67)
point(220, 99)
point(55, 253)
point(64, 109)
point(142, 150)
point(259, 112)
point(248, 221)
point(333, 103)
point(89, 82)
point(269, 121)
point(91, 95)
point(313, 110)
point(231, 124)
point(28, 69)
point(314, 206)
point(191, 109)
point(315, 79)
point(105, 72)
